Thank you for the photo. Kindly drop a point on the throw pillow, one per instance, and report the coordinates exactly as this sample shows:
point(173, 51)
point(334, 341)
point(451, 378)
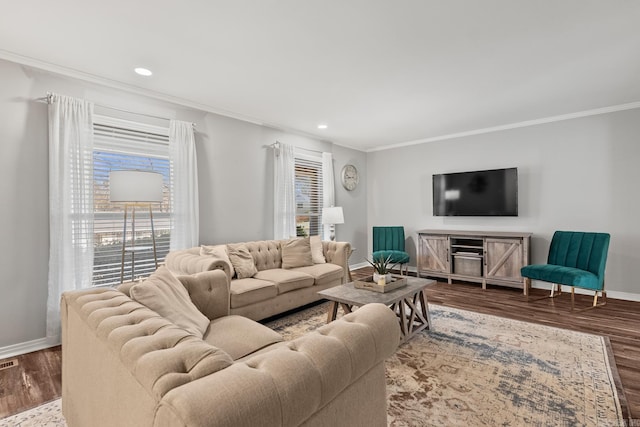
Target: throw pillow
point(296, 253)
point(242, 260)
point(163, 293)
point(317, 254)
point(218, 252)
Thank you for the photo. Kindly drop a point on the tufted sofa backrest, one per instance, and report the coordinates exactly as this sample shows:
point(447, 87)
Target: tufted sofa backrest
point(576, 249)
point(266, 254)
point(159, 354)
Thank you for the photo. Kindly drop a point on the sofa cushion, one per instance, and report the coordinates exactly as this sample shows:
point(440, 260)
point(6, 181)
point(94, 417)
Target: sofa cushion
point(317, 254)
point(250, 290)
point(218, 252)
point(242, 260)
point(239, 336)
point(322, 273)
point(163, 293)
point(296, 253)
point(266, 253)
point(286, 280)
point(562, 275)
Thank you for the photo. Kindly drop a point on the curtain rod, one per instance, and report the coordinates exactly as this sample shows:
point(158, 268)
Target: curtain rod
point(47, 99)
point(275, 145)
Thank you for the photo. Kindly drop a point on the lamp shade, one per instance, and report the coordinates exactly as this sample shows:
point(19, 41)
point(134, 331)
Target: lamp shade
point(135, 186)
point(332, 215)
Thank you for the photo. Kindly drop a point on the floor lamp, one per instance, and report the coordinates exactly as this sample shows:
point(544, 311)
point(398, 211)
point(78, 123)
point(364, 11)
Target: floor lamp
point(332, 216)
point(135, 188)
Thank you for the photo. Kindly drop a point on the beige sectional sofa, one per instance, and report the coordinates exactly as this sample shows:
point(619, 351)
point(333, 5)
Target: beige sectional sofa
point(124, 364)
point(272, 289)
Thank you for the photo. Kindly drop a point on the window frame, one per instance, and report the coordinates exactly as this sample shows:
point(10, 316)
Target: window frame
point(151, 143)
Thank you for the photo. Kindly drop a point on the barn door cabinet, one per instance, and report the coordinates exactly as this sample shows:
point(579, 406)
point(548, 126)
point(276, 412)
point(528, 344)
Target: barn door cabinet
point(474, 256)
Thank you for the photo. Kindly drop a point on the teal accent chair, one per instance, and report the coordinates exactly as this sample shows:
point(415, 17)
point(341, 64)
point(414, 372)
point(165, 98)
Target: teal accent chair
point(575, 259)
point(389, 242)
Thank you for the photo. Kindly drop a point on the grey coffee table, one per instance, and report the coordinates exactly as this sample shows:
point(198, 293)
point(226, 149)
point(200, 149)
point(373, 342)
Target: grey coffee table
point(408, 302)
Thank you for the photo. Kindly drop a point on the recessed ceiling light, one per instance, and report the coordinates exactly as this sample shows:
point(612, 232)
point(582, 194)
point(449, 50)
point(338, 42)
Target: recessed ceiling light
point(143, 71)
point(322, 126)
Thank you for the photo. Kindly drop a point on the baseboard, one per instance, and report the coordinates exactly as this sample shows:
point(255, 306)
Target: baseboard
point(42, 343)
point(627, 296)
point(357, 266)
point(24, 347)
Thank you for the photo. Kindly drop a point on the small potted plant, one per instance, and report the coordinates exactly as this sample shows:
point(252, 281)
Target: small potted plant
point(382, 269)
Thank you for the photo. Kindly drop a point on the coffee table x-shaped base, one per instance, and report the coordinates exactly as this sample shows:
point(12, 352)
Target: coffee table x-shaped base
point(409, 303)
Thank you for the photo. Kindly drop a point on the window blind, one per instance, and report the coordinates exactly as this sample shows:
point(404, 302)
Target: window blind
point(308, 176)
point(121, 145)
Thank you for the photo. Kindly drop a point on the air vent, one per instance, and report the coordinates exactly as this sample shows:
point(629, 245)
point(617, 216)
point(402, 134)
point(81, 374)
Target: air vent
point(8, 364)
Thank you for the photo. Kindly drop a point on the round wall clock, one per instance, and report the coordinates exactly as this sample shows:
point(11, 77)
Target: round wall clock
point(350, 177)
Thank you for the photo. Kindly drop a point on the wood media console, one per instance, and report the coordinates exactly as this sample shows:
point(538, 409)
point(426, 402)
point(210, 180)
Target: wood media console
point(474, 256)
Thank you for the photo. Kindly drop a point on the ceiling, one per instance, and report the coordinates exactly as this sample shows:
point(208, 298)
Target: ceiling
point(378, 73)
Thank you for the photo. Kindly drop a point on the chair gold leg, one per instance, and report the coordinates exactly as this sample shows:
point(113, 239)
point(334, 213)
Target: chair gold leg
point(595, 302)
point(406, 269)
point(556, 290)
point(555, 287)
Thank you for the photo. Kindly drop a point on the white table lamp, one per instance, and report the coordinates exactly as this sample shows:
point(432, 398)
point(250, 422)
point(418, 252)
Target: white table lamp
point(332, 216)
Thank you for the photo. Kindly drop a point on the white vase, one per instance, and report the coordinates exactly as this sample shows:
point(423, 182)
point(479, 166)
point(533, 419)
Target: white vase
point(385, 277)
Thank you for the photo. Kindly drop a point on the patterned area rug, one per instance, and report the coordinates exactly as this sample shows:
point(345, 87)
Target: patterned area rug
point(47, 415)
point(481, 370)
point(473, 370)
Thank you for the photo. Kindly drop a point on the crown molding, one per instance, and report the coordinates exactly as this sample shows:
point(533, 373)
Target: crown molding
point(526, 123)
point(113, 84)
point(92, 78)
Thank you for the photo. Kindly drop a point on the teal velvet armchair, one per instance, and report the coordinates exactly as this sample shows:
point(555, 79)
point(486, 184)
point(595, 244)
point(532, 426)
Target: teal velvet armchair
point(389, 242)
point(575, 259)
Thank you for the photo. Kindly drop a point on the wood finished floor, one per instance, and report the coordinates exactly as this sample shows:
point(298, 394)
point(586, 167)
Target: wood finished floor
point(37, 378)
point(619, 320)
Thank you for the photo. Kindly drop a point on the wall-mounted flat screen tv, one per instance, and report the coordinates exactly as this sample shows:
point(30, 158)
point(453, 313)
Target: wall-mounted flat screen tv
point(479, 193)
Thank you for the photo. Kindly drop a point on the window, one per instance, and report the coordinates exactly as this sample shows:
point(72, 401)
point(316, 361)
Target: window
point(118, 145)
point(308, 176)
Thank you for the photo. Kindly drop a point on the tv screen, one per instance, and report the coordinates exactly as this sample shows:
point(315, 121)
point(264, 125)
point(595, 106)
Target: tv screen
point(480, 193)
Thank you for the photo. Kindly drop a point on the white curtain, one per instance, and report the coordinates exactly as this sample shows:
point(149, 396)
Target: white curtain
point(284, 215)
point(70, 202)
point(328, 189)
point(185, 222)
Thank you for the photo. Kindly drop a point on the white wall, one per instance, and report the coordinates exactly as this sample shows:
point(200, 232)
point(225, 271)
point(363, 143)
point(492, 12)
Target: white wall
point(579, 174)
point(235, 182)
point(354, 203)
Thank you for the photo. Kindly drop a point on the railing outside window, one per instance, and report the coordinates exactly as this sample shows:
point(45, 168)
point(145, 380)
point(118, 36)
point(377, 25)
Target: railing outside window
point(123, 145)
point(308, 173)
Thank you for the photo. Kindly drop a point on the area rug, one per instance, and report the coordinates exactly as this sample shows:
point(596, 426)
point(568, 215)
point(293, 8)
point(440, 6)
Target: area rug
point(47, 415)
point(481, 370)
point(473, 370)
